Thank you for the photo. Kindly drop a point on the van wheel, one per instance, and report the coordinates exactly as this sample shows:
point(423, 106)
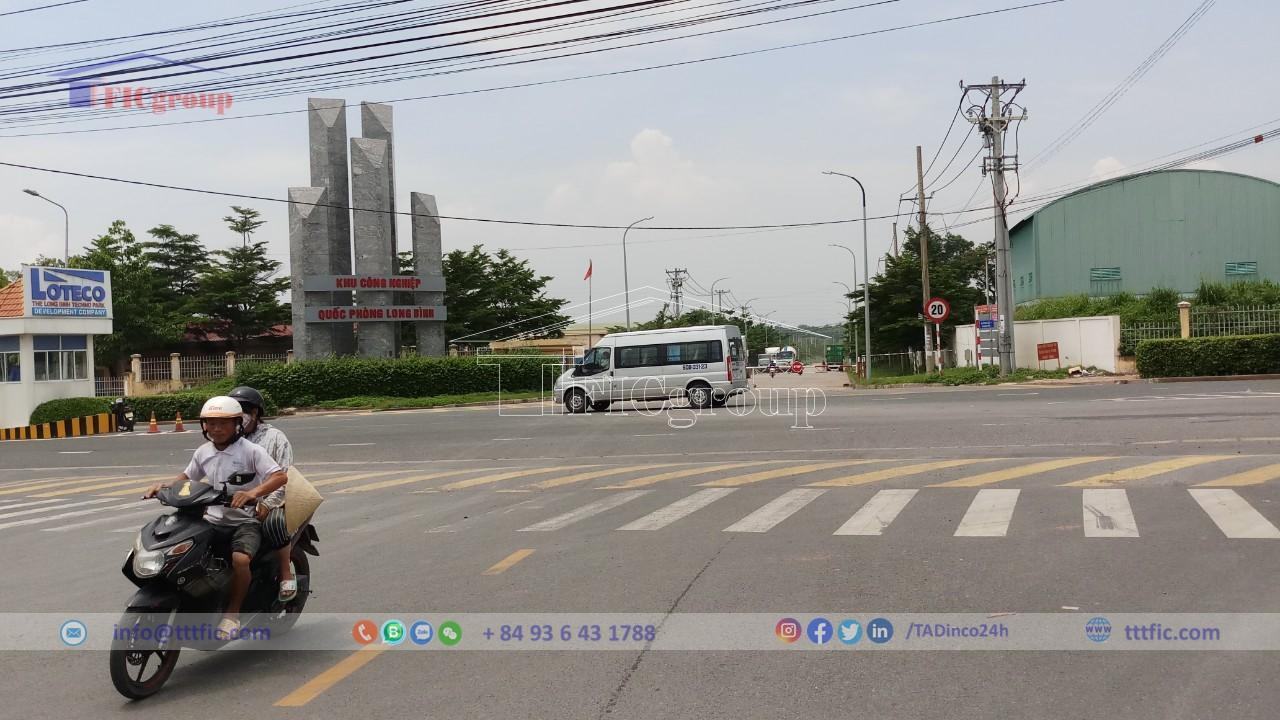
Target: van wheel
point(700, 395)
point(575, 401)
point(600, 405)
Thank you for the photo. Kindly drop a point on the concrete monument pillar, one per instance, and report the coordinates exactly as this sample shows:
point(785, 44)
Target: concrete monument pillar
point(427, 263)
point(371, 228)
point(309, 246)
point(375, 124)
point(327, 125)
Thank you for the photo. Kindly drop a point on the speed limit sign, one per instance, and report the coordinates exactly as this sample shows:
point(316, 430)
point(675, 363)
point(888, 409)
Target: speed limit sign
point(937, 309)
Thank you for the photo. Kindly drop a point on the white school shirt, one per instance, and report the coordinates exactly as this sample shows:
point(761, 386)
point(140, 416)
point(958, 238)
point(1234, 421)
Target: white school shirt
point(216, 466)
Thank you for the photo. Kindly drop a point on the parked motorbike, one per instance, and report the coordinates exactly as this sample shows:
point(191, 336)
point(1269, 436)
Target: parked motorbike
point(124, 415)
point(181, 565)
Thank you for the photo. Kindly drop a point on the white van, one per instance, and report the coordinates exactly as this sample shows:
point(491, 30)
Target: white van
point(708, 363)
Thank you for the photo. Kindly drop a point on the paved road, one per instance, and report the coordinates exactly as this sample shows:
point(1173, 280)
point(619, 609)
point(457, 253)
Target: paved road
point(1111, 499)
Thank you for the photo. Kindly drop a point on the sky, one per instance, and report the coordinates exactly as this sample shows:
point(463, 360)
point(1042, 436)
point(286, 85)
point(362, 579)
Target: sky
point(741, 141)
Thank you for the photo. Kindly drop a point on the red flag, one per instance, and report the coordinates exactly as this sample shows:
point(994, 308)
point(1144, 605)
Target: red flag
point(588, 275)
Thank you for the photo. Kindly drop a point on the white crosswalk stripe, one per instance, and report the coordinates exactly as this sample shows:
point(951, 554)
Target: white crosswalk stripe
point(114, 517)
point(1235, 517)
point(74, 513)
point(31, 511)
point(560, 522)
point(778, 509)
point(1107, 513)
point(989, 514)
point(877, 514)
point(663, 517)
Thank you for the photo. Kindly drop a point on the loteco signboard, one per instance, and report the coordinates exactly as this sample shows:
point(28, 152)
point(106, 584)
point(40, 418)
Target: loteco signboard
point(336, 283)
point(340, 313)
point(64, 292)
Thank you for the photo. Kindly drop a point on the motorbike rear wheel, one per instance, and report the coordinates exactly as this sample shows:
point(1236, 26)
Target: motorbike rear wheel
point(130, 660)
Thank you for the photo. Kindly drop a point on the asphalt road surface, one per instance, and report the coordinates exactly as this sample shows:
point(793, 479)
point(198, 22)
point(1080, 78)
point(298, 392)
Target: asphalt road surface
point(1135, 498)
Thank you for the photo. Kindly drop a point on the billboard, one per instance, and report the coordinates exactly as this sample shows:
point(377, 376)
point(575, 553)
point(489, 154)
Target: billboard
point(66, 292)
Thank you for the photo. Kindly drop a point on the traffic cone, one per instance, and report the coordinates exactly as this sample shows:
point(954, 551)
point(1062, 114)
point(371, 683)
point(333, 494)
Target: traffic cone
point(177, 424)
point(154, 427)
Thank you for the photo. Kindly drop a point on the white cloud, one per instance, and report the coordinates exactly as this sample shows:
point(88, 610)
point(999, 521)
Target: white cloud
point(22, 239)
point(1106, 167)
point(655, 176)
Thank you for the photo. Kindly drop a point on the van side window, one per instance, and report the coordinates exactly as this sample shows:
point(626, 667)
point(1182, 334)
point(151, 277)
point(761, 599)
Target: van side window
point(708, 351)
point(639, 356)
point(735, 348)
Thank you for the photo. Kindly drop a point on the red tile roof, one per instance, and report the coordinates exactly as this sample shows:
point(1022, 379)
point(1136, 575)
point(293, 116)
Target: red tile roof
point(11, 300)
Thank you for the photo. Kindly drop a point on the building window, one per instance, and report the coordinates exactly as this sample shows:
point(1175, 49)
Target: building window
point(1242, 270)
point(61, 357)
point(10, 360)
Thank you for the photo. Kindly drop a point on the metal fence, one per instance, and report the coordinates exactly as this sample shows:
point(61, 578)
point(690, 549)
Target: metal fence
point(1235, 321)
point(280, 358)
point(202, 367)
point(155, 369)
point(108, 387)
point(905, 363)
point(1131, 335)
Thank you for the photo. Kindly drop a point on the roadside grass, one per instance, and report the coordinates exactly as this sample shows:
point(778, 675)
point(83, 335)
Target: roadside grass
point(987, 375)
point(376, 402)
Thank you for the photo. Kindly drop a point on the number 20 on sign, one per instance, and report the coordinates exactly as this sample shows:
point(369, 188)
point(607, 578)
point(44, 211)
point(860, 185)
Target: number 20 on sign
point(937, 309)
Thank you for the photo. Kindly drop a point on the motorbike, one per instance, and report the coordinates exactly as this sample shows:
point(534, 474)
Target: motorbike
point(124, 415)
point(773, 370)
point(181, 565)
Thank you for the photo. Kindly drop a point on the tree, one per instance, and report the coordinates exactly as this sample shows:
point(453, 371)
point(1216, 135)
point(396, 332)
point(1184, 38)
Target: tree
point(177, 260)
point(491, 297)
point(239, 294)
point(245, 221)
point(955, 273)
point(143, 321)
point(8, 276)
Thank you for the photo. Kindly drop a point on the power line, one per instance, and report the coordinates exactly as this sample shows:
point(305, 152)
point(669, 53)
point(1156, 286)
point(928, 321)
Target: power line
point(42, 7)
point(626, 71)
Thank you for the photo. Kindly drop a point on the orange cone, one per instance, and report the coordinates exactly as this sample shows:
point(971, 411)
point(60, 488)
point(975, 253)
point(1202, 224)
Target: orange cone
point(154, 427)
point(177, 424)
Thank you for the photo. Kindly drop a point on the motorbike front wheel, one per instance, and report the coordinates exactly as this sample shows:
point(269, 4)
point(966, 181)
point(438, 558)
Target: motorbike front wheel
point(132, 659)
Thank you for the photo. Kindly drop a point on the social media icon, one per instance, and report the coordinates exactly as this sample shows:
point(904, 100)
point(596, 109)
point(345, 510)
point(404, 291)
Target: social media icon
point(392, 632)
point(880, 631)
point(364, 632)
point(850, 632)
point(819, 631)
point(450, 633)
point(421, 632)
point(73, 633)
point(1098, 629)
point(787, 630)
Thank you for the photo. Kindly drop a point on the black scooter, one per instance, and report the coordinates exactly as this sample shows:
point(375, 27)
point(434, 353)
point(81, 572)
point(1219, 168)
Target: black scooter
point(181, 565)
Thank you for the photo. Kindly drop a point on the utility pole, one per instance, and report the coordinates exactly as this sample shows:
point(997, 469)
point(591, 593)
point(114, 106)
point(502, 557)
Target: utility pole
point(720, 301)
point(994, 124)
point(676, 282)
point(895, 239)
point(923, 237)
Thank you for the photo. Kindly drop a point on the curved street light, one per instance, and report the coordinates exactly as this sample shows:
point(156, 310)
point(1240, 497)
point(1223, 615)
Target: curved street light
point(866, 286)
point(626, 283)
point(66, 226)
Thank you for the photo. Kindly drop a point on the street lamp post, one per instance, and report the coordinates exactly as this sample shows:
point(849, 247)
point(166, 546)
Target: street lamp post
point(866, 286)
point(626, 282)
point(66, 226)
point(853, 255)
point(848, 304)
point(715, 303)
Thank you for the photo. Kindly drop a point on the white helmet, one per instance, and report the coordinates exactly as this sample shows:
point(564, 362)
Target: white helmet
point(221, 407)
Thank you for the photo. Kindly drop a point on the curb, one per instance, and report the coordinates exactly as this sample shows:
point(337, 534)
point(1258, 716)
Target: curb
point(1213, 378)
point(303, 412)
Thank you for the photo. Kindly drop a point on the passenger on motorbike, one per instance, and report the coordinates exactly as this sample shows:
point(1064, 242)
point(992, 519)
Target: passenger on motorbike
point(216, 461)
point(271, 508)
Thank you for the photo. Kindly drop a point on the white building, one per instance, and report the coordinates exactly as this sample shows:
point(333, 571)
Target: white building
point(47, 322)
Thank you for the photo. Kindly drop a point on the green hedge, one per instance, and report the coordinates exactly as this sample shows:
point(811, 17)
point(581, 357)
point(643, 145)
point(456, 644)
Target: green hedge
point(1230, 355)
point(165, 407)
point(67, 408)
point(312, 381)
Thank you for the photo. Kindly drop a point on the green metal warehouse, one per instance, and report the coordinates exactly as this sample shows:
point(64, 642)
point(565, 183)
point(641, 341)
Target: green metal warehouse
point(1163, 229)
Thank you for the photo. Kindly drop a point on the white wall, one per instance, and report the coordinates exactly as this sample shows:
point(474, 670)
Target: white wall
point(1088, 341)
point(17, 400)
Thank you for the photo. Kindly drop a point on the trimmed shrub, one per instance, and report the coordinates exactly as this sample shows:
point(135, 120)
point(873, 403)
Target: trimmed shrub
point(67, 408)
point(1228, 355)
point(311, 381)
point(165, 406)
